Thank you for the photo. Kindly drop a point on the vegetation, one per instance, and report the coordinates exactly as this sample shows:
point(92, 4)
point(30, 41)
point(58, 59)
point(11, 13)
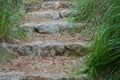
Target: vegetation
point(10, 13)
point(104, 61)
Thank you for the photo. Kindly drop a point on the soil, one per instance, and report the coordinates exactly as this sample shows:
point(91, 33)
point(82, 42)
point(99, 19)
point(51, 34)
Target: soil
point(29, 65)
point(63, 38)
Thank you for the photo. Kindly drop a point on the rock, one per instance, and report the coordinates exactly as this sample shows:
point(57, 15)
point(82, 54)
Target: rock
point(77, 49)
point(46, 27)
point(11, 75)
point(39, 76)
point(28, 27)
point(44, 14)
point(56, 4)
point(47, 76)
point(52, 27)
point(51, 14)
point(40, 49)
point(52, 49)
point(32, 6)
point(65, 13)
point(53, 76)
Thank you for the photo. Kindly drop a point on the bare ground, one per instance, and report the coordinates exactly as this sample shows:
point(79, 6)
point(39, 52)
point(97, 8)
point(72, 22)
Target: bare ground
point(29, 65)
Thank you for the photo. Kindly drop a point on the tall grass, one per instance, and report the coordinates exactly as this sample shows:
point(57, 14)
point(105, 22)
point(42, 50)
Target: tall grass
point(104, 61)
point(10, 13)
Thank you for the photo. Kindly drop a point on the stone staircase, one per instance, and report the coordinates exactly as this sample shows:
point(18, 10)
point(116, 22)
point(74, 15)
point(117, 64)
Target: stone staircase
point(49, 18)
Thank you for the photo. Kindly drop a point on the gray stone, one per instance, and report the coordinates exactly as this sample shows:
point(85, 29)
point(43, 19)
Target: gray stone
point(44, 14)
point(47, 76)
point(56, 4)
point(47, 27)
point(54, 76)
point(65, 13)
point(77, 48)
point(52, 27)
point(28, 27)
point(12, 75)
point(52, 49)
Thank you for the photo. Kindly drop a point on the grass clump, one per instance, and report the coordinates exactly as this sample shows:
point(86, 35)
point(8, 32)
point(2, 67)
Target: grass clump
point(103, 62)
point(10, 14)
point(6, 56)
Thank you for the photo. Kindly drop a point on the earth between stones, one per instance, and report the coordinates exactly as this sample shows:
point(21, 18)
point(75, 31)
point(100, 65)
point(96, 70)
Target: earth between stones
point(31, 65)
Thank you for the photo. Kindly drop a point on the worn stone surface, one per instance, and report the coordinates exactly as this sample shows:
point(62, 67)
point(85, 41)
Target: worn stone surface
point(56, 4)
point(12, 75)
point(54, 76)
point(47, 76)
point(51, 14)
point(65, 13)
point(51, 48)
point(16, 75)
point(28, 27)
point(45, 14)
point(48, 27)
point(51, 27)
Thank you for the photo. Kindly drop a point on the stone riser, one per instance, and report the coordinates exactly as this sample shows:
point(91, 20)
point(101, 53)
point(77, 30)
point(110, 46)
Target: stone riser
point(50, 49)
point(50, 14)
point(40, 76)
point(52, 27)
point(47, 5)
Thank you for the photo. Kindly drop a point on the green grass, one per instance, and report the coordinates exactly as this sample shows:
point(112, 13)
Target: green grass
point(6, 56)
point(10, 13)
point(103, 63)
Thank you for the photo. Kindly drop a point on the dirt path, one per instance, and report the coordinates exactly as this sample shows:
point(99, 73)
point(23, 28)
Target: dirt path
point(30, 65)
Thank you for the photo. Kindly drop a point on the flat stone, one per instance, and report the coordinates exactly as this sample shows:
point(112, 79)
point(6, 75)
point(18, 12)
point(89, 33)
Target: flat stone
point(17, 75)
point(48, 27)
point(51, 14)
point(47, 76)
point(52, 48)
point(28, 27)
point(51, 27)
point(45, 14)
point(52, 76)
point(11, 75)
point(65, 13)
point(56, 4)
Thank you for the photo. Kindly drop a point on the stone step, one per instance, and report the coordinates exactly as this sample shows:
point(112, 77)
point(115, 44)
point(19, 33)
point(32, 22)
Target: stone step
point(52, 14)
point(56, 4)
point(50, 48)
point(39, 76)
point(52, 27)
point(12, 75)
point(53, 4)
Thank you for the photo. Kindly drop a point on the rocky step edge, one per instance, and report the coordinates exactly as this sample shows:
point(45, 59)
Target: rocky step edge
point(50, 48)
point(52, 27)
point(49, 14)
point(39, 76)
point(38, 5)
